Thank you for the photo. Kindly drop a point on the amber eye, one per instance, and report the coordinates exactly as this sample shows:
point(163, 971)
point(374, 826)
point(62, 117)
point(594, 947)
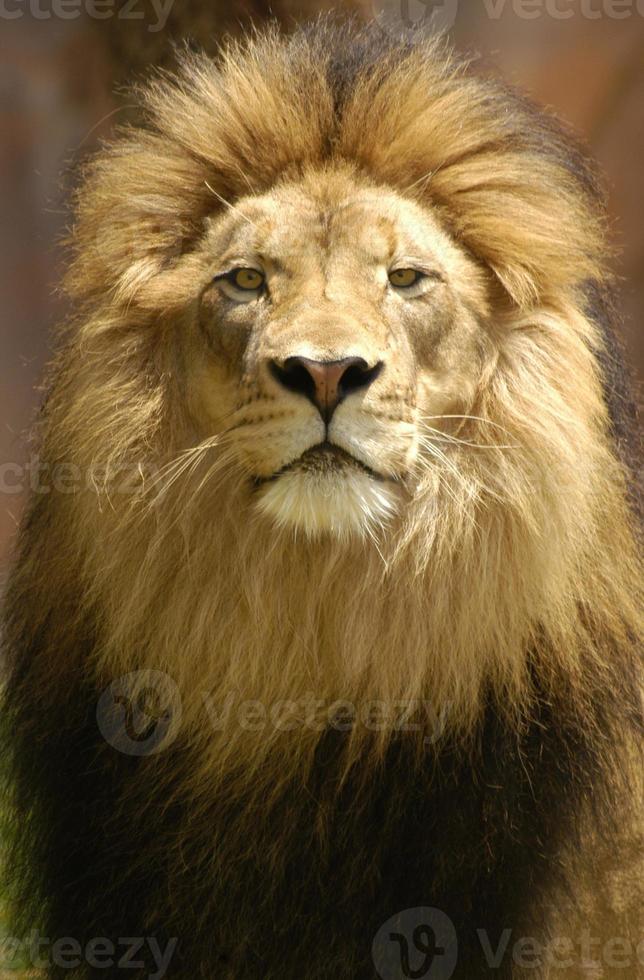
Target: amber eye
point(404, 278)
point(246, 279)
point(242, 285)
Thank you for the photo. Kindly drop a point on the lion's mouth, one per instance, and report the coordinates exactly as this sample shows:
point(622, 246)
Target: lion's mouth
point(324, 458)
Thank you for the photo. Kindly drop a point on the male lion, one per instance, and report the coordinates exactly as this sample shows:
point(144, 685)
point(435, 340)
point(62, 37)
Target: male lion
point(322, 645)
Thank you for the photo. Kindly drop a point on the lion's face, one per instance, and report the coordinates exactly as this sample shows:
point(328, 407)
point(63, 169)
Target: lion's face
point(335, 322)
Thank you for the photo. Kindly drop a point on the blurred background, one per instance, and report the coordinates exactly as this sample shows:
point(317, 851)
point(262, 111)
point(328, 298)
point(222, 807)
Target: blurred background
point(64, 72)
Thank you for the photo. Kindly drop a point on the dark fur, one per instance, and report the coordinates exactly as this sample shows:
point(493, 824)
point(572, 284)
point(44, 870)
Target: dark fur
point(476, 834)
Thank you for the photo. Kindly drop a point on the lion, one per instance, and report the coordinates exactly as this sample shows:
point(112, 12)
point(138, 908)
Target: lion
point(322, 641)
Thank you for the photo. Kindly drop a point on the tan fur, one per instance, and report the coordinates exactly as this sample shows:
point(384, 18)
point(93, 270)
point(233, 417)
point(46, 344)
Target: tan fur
point(506, 527)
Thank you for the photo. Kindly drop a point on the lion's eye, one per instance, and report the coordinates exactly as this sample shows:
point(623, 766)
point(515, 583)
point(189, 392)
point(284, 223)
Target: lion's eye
point(242, 284)
point(246, 278)
point(404, 278)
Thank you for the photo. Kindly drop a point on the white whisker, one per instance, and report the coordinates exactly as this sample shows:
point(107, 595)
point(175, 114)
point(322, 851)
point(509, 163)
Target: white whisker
point(469, 418)
point(231, 207)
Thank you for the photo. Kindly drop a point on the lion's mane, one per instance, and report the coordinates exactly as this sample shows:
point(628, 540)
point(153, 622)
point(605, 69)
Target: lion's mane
point(508, 601)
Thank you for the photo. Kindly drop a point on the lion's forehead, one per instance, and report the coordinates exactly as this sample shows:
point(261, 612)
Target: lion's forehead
point(303, 228)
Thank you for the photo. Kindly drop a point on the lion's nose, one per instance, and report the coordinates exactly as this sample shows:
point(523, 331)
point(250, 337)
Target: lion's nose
point(325, 383)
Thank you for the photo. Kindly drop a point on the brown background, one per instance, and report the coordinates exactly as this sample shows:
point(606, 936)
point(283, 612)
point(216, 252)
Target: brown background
point(63, 84)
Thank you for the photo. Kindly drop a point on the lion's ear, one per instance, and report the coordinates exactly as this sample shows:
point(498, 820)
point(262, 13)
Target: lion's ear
point(141, 203)
point(529, 224)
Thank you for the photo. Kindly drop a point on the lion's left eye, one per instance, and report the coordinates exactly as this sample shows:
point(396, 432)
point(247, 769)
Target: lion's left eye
point(247, 278)
point(242, 284)
point(404, 278)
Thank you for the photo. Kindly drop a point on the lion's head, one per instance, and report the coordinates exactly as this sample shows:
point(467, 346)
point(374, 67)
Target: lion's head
point(337, 332)
point(336, 386)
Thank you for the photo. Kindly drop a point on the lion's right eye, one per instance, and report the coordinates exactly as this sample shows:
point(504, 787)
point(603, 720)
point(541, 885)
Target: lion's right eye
point(405, 278)
point(242, 284)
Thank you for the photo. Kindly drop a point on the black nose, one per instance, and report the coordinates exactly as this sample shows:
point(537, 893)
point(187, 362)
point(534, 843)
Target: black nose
point(325, 383)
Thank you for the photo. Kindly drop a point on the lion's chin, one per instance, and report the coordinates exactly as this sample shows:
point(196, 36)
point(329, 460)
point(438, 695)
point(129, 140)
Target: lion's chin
point(341, 502)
